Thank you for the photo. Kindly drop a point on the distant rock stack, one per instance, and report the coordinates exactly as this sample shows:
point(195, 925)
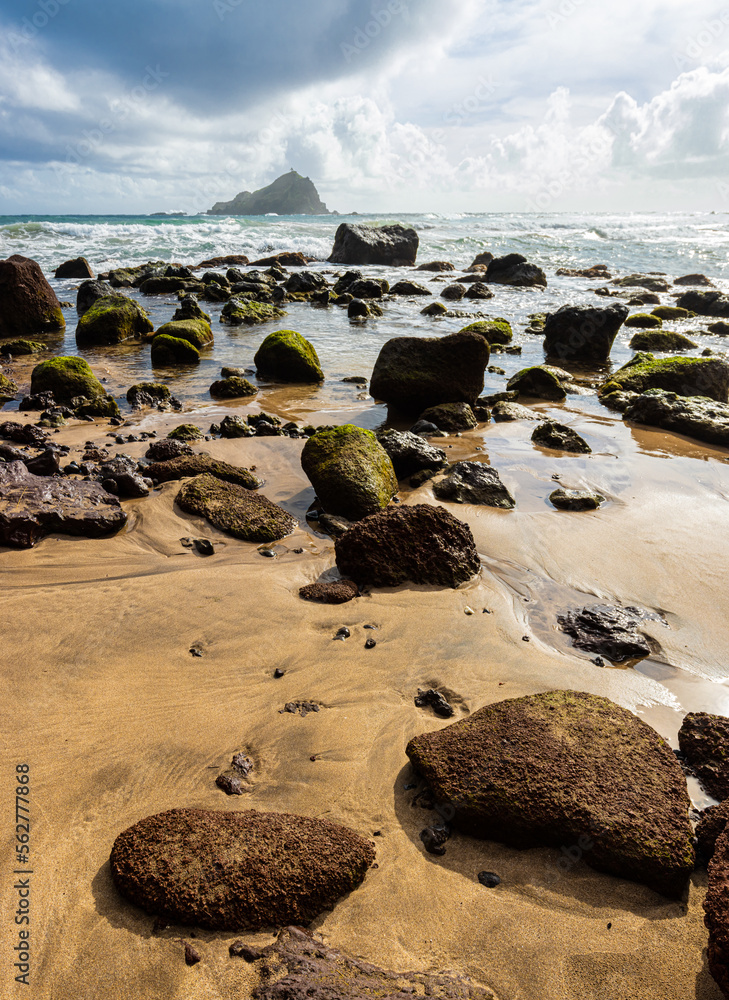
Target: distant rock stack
point(290, 194)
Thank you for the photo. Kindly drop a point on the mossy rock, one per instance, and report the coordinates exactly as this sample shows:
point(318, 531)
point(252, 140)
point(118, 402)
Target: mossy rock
point(672, 312)
point(661, 340)
point(288, 356)
point(537, 381)
point(350, 471)
point(187, 466)
point(232, 388)
point(155, 390)
point(685, 376)
point(235, 510)
point(99, 406)
point(195, 331)
point(66, 378)
point(496, 331)
point(450, 416)
point(239, 312)
point(20, 347)
point(644, 321)
point(173, 351)
point(111, 320)
point(8, 389)
point(186, 432)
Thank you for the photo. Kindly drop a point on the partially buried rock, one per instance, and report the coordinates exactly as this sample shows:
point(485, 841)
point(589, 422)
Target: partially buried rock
point(552, 434)
point(237, 870)
point(538, 381)
point(704, 742)
point(583, 333)
point(236, 510)
point(29, 304)
point(184, 466)
point(716, 905)
point(450, 416)
point(695, 416)
point(575, 499)
point(410, 453)
point(232, 388)
point(474, 482)
point(608, 631)
point(334, 592)
point(287, 356)
point(185, 432)
point(661, 340)
point(34, 506)
point(566, 767)
point(421, 544)
point(430, 698)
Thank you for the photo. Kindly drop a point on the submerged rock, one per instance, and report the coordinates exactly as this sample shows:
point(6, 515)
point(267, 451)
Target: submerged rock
point(608, 631)
point(662, 340)
point(583, 332)
point(334, 592)
point(513, 269)
point(686, 376)
point(695, 416)
point(28, 304)
point(289, 357)
point(575, 499)
point(421, 544)
point(704, 742)
point(507, 410)
point(232, 388)
point(239, 312)
point(350, 471)
point(496, 331)
point(34, 506)
point(237, 870)
point(410, 453)
point(566, 767)
point(474, 482)
point(184, 466)
point(67, 378)
point(235, 509)
point(552, 434)
point(173, 351)
point(395, 245)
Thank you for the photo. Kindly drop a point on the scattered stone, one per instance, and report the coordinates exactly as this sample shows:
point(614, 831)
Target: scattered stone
point(223, 870)
point(162, 451)
point(396, 245)
point(662, 340)
point(192, 955)
point(239, 949)
point(609, 631)
point(232, 388)
point(489, 879)
point(477, 290)
point(552, 434)
point(693, 279)
point(289, 357)
point(204, 546)
point(576, 499)
point(582, 332)
point(335, 592)
point(599, 271)
point(234, 509)
point(513, 269)
point(474, 482)
point(453, 293)
point(410, 453)
point(435, 700)
point(370, 643)
point(358, 309)
point(343, 633)
point(119, 476)
point(537, 381)
point(278, 673)
point(332, 525)
point(704, 742)
point(450, 416)
point(302, 708)
point(434, 838)
point(168, 351)
point(435, 309)
point(29, 304)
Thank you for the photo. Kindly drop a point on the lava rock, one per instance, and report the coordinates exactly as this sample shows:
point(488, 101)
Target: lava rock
point(474, 482)
point(162, 451)
point(716, 906)
point(704, 742)
point(607, 630)
point(76, 268)
point(708, 303)
point(334, 592)
point(409, 453)
point(712, 824)
point(235, 510)
point(552, 434)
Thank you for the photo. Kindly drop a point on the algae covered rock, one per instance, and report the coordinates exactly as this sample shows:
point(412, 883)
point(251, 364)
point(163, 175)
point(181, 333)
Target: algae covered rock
point(185, 432)
point(450, 416)
point(243, 312)
point(235, 509)
point(232, 388)
point(18, 348)
point(685, 376)
point(182, 466)
point(552, 434)
point(195, 331)
point(420, 544)
point(537, 381)
point(644, 321)
point(8, 389)
point(651, 282)
point(173, 351)
point(565, 767)
point(28, 304)
point(695, 416)
point(661, 340)
point(66, 378)
point(575, 499)
point(704, 742)
point(111, 320)
point(89, 292)
point(237, 870)
point(496, 331)
point(350, 471)
point(413, 373)
point(474, 482)
point(99, 406)
point(583, 332)
point(289, 357)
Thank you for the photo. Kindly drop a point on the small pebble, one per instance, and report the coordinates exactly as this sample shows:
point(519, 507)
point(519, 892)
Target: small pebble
point(343, 633)
point(204, 547)
point(370, 644)
point(525, 638)
point(269, 553)
point(469, 611)
point(598, 661)
point(369, 626)
point(192, 957)
point(278, 673)
point(489, 879)
point(239, 949)
point(195, 651)
point(486, 611)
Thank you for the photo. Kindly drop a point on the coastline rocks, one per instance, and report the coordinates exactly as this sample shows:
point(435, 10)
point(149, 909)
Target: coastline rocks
point(235, 509)
point(233, 387)
point(195, 331)
point(395, 245)
point(671, 312)
point(685, 376)
point(453, 293)
point(413, 373)
point(239, 312)
point(335, 592)
point(8, 389)
point(694, 279)
point(704, 742)
point(436, 265)
point(513, 269)
point(410, 453)
point(189, 308)
point(482, 259)
point(34, 506)
point(436, 309)
point(583, 333)
point(552, 434)
point(476, 483)
point(565, 767)
point(237, 870)
point(420, 544)
point(607, 631)
point(162, 451)
point(350, 471)
point(644, 321)
point(716, 906)
point(173, 351)
point(76, 268)
point(28, 304)
point(111, 320)
point(575, 499)
point(148, 394)
point(477, 290)
point(183, 466)
point(358, 309)
point(597, 271)
point(648, 281)
point(450, 416)
point(18, 348)
point(711, 303)
point(287, 356)
point(496, 331)
point(712, 824)
point(537, 381)
point(89, 292)
point(504, 410)
point(695, 416)
point(409, 288)
point(662, 340)
point(67, 378)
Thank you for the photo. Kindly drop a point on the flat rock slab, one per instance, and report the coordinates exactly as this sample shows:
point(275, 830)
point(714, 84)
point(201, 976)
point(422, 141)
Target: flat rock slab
point(704, 742)
point(565, 767)
point(34, 506)
point(300, 967)
point(695, 416)
point(186, 466)
point(608, 631)
point(474, 482)
point(235, 509)
point(237, 870)
point(716, 905)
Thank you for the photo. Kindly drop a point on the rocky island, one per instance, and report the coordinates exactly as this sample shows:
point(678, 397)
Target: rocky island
point(290, 194)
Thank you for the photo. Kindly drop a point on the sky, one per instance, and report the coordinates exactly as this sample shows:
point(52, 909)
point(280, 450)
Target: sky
point(139, 106)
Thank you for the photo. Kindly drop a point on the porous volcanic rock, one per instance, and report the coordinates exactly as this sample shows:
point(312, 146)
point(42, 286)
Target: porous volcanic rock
point(607, 630)
point(28, 304)
point(395, 245)
point(474, 482)
point(235, 509)
point(716, 906)
point(34, 506)
point(565, 767)
point(334, 592)
point(711, 825)
point(162, 451)
point(704, 742)
point(583, 332)
point(237, 870)
point(420, 544)
point(184, 466)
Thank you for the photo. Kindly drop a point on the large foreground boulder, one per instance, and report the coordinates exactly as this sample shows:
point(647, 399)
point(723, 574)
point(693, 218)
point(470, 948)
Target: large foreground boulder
point(34, 506)
point(695, 416)
point(716, 905)
point(28, 304)
point(186, 466)
point(420, 544)
point(287, 356)
point(583, 333)
point(704, 742)
point(474, 482)
point(235, 509)
point(513, 269)
point(237, 870)
point(66, 378)
point(413, 373)
point(395, 245)
point(707, 303)
point(685, 376)
point(111, 320)
point(350, 471)
point(566, 767)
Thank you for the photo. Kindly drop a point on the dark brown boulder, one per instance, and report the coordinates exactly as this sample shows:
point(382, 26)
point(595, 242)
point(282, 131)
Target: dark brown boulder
point(704, 742)
point(566, 768)
point(436, 265)
point(583, 332)
point(186, 466)
point(335, 592)
point(34, 506)
point(420, 544)
point(710, 827)
point(716, 906)
point(235, 509)
point(76, 268)
point(395, 245)
point(514, 269)
point(237, 870)
point(28, 304)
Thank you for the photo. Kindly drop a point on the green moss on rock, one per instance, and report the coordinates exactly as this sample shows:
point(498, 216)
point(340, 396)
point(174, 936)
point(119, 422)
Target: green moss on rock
point(238, 312)
point(496, 331)
point(645, 321)
point(99, 406)
point(173, 351)
point(66, 378)
point(186, 432)
point(288, 356)
point(661, 340)
point(195, 331)
point(684, 376)
point(8, 389)
point(672, 312)
point(20, 347)
point(235, 510)
point(111, 320)
point(537, 381)
point(232, 387)
point(156, 390)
